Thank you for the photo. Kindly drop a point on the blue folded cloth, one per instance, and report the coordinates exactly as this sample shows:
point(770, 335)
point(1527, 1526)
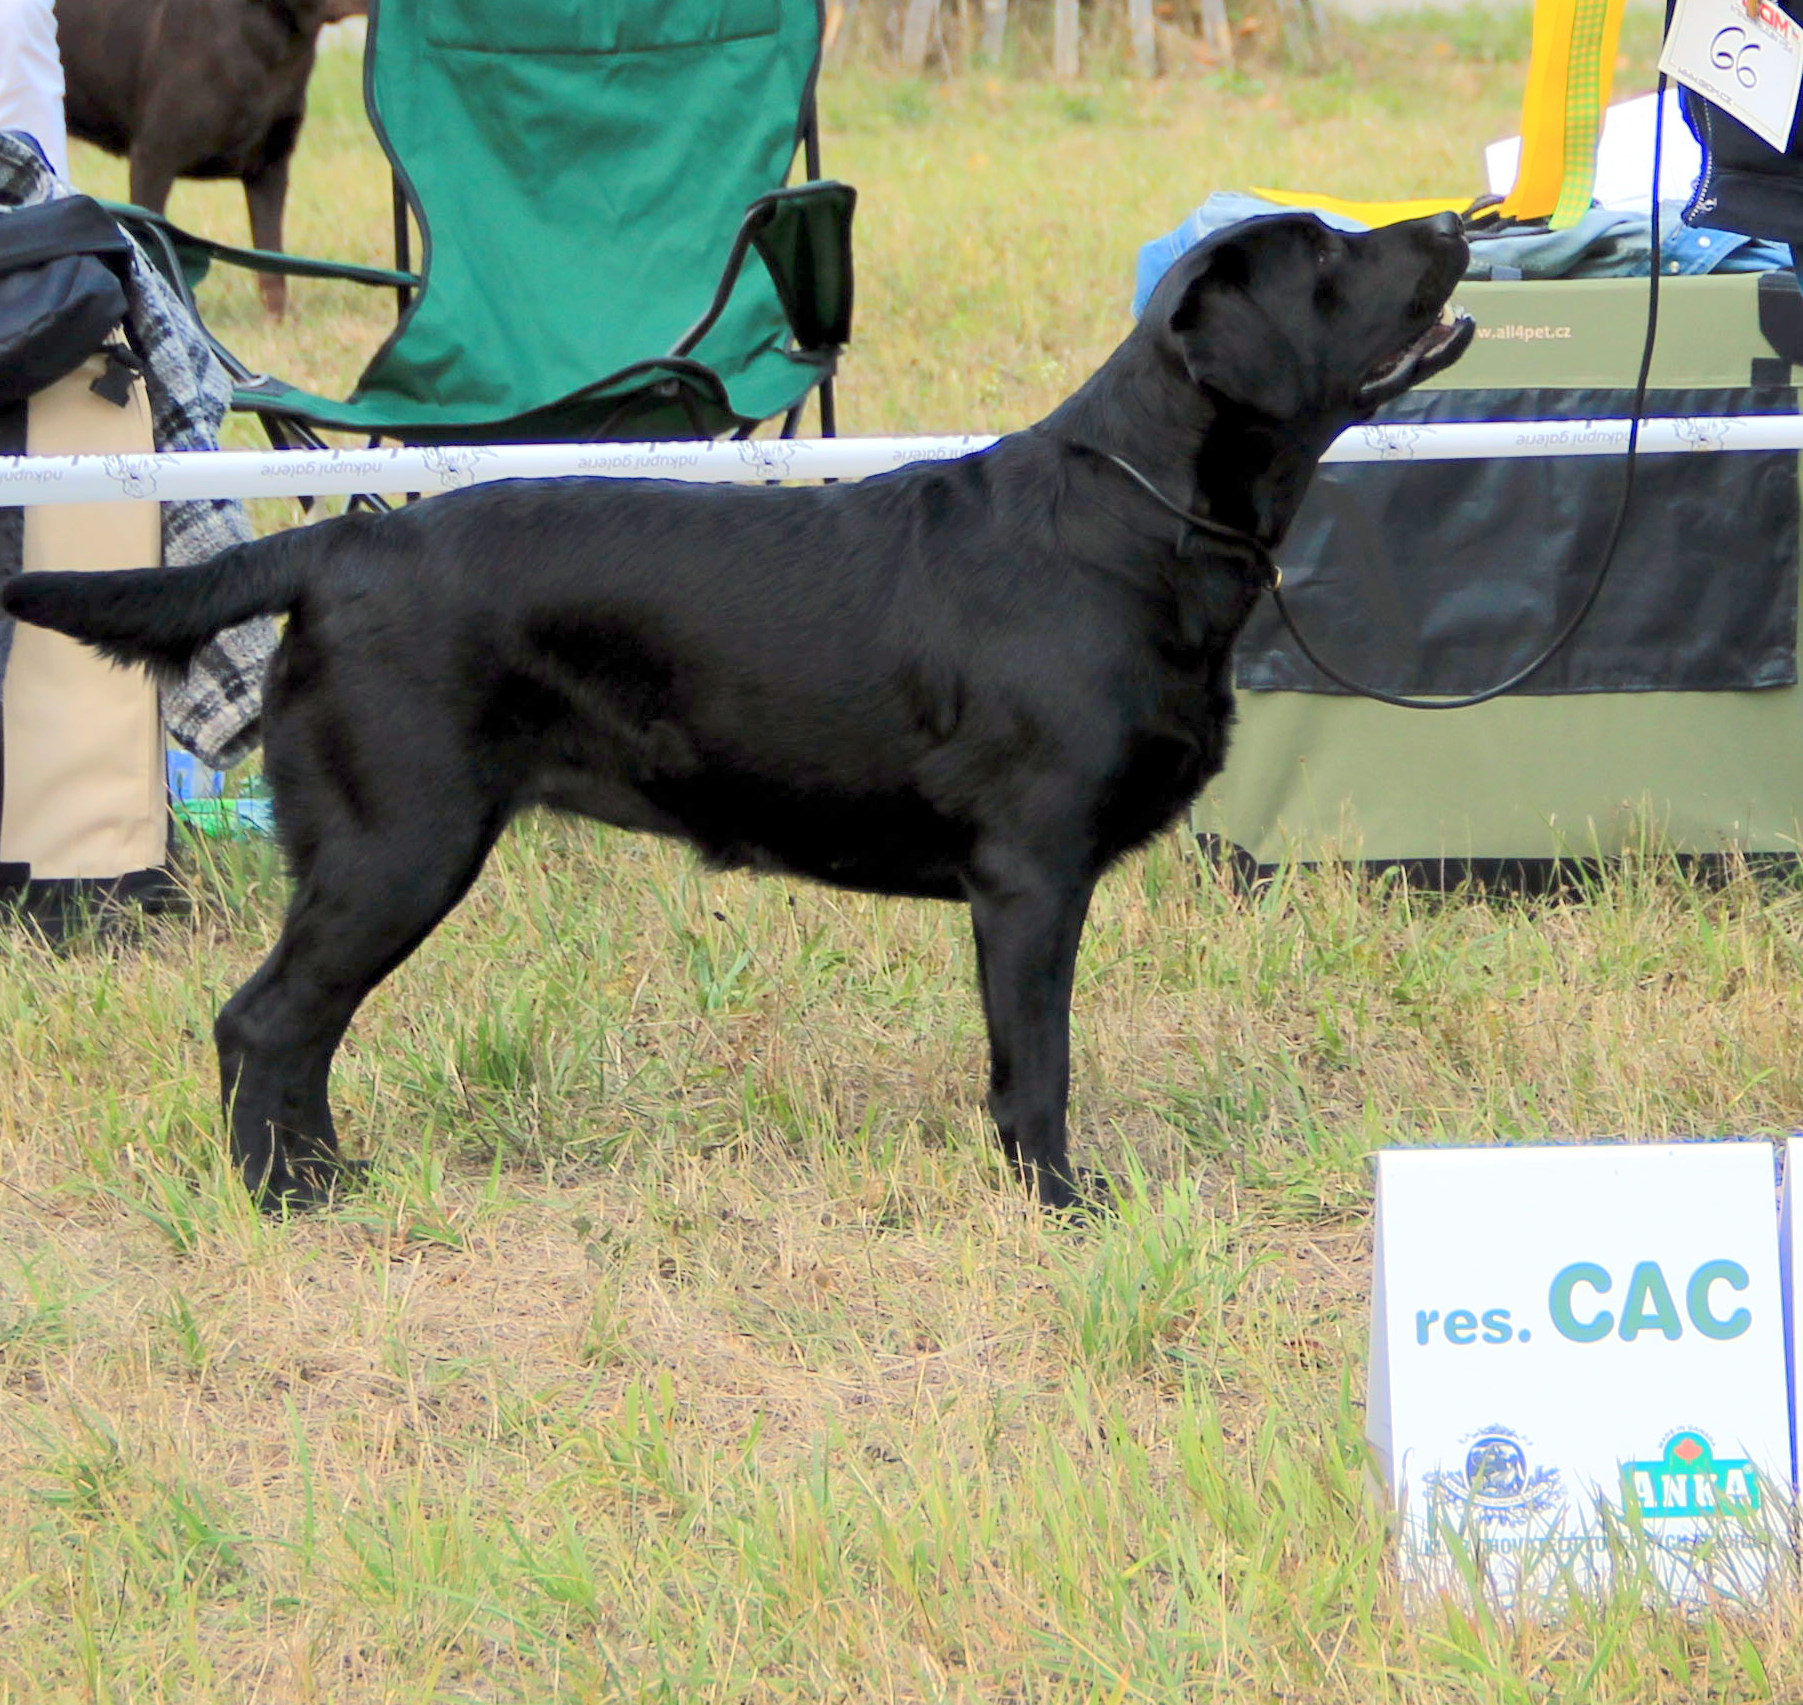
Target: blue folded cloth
point(1603, 244)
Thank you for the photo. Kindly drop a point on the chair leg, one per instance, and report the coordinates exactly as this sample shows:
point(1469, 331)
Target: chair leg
point(686, 398)
point(403, 247)
point(297, 435)
point(279, 440)
point(829, 412)
point(374, 502)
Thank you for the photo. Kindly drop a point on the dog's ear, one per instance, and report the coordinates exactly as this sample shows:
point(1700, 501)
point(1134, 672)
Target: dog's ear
point(1232, 346)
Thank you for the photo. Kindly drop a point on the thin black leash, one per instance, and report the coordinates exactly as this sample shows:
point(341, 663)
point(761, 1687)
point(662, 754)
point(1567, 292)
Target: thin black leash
point(1234, 537)
point(1273, 575)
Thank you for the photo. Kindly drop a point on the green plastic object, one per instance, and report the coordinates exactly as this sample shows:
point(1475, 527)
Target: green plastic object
point(234, 819)
point(199, 801)
point(1567, 777)
point(582, 172)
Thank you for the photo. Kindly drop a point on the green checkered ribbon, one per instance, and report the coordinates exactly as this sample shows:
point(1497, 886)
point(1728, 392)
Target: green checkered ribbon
point(1583, 112)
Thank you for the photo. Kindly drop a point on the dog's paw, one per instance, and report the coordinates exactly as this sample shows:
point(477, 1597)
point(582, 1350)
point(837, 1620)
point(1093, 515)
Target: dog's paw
point(314, 1185)
point(1098, 1191)
point(1081, 1198)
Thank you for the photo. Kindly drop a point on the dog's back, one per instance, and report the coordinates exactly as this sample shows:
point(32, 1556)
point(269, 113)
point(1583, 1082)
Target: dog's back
point(103, 47)
point(210, 85)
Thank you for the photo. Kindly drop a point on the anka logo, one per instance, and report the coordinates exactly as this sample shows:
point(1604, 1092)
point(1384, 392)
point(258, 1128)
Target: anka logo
point(1498, 1485)
point(1688, 1479)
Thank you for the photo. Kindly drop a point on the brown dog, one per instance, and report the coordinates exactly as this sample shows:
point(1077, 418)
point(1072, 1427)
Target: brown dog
point(197, 89)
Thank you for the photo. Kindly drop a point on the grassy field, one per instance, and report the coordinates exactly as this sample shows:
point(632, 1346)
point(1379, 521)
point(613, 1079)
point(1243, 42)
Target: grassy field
point(691, 1344)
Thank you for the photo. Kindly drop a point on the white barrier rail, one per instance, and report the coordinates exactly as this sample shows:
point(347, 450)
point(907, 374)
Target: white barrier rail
point(322, 473)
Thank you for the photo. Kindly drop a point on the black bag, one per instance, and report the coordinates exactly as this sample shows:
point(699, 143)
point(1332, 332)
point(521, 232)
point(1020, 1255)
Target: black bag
point(62, 270)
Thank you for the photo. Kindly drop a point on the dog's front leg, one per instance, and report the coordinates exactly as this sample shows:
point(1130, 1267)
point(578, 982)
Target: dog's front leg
point(1027, 930)
point(152, 176)
point(266, 196)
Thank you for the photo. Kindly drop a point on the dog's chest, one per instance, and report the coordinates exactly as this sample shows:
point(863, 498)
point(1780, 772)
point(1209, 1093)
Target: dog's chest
point(878, 842)
point(1165, 756)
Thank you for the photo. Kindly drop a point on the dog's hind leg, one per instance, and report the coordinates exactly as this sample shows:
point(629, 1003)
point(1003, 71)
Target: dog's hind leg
point(363, 901)
point(1027, 931)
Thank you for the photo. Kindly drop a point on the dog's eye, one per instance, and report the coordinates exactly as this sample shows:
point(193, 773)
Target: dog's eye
point(1326, 293)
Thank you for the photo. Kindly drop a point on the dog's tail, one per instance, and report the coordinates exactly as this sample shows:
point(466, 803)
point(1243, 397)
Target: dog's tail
point(162, 616)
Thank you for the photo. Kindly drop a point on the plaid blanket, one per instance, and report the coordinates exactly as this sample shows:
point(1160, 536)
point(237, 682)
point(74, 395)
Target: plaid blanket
point(213, 710)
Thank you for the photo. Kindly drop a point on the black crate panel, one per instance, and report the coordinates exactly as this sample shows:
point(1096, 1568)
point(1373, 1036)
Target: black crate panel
point(1443, 578)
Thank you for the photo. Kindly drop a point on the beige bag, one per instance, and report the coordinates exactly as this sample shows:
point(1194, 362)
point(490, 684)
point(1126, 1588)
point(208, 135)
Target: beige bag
point(85, 784)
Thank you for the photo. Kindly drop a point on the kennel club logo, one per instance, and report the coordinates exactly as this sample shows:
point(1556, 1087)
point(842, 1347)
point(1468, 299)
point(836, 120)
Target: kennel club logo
point(457, 465)
point(772, 457)
point(1688, 1479)
point(1391, 442)
point(1498, 1486)
point(136, 476)
point(1705, 432)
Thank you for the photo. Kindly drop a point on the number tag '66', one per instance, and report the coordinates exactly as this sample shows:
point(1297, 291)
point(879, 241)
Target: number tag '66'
point(1744, 56)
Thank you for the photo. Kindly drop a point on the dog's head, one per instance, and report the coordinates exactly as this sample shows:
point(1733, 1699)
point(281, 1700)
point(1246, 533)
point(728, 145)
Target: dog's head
point(1298, 323)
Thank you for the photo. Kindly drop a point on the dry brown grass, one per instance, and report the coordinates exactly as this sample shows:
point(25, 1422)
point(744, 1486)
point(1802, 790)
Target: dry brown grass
point(690, 1344)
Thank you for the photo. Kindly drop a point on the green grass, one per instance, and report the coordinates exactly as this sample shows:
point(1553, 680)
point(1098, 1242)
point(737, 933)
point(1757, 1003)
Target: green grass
point(691, 1344)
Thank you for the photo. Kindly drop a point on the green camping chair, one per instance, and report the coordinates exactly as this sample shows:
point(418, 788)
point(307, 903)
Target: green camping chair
point(590, 178)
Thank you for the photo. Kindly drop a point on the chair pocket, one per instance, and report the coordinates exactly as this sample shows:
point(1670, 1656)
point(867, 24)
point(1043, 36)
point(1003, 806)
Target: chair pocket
point(594, 26)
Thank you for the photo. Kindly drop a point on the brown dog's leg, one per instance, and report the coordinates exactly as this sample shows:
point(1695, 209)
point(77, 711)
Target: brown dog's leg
point(1027, 929)
point(266, 194)
point(152, 178)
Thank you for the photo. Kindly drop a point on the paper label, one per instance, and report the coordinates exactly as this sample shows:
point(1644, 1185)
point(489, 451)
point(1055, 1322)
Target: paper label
point(1745, 56)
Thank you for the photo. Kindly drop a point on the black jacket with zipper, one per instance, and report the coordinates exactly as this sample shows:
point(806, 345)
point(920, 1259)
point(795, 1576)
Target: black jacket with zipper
point(1745, 185)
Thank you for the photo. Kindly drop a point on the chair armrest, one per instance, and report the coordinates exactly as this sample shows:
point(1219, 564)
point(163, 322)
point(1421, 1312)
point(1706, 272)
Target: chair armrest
point(803, 236)
point(195, 255)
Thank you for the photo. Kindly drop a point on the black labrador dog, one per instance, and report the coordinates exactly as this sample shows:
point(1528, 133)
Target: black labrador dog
point(981, 680)
point(198, 89)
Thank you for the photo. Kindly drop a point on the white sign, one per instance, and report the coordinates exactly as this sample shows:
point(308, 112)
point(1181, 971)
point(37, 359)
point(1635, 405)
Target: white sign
point(1745, 56)
point(1790, 1261)
point(1577, 1357)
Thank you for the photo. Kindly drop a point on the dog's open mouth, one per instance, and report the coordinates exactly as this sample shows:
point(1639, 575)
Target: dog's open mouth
point(1422, 357)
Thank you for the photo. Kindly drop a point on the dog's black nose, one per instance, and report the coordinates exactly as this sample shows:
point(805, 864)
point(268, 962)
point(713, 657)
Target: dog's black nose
point(1446, 225)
